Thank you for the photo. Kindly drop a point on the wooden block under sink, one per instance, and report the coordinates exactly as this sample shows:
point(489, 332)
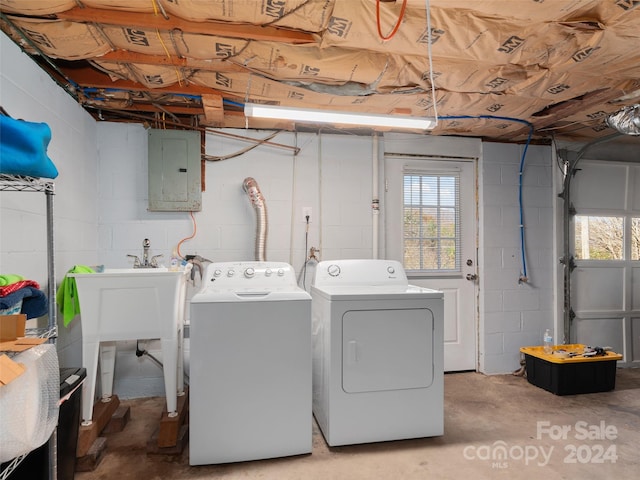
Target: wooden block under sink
point(118, 420)
point(102, 412)
point(89, 462)
point(169, 431)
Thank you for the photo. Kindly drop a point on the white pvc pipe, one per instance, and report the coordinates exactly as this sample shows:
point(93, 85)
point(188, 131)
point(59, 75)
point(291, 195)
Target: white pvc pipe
point(375, 202)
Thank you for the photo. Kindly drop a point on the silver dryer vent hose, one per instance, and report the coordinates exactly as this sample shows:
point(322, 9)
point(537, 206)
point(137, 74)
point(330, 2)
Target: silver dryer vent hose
point(256, 198)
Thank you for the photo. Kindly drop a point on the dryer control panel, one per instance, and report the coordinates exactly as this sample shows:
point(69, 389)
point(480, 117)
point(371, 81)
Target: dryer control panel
point(360, 273)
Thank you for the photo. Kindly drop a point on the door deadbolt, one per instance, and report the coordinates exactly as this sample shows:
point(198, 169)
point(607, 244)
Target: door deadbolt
point(472, 276)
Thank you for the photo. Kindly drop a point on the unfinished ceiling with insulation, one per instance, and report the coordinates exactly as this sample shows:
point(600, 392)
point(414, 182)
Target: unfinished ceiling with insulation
point(485, 68)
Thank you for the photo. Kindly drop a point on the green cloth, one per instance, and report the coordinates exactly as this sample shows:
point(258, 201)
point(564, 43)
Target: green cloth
point(67, 295)
point(9, 279)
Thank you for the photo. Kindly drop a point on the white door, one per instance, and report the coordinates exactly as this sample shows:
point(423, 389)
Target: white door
point(430, 210)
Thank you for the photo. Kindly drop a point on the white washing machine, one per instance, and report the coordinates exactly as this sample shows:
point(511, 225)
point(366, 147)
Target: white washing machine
point(378, 345)
point(250, 364)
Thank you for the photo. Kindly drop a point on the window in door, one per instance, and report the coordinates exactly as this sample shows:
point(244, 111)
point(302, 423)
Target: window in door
point(431, 222)
point(635, 238)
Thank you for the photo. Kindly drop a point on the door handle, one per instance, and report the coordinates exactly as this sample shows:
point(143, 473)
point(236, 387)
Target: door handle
point(352, 351)
point(472, 277)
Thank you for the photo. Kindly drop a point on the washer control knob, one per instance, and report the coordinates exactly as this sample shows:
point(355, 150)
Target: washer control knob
point(333, 270)
point(280, 272)
point(268, 272)
point(249, 272)
point(391, 270)
point(217, 272)
point(230, 273)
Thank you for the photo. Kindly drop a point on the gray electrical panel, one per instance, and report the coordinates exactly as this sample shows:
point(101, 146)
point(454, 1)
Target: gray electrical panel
point(174, 171)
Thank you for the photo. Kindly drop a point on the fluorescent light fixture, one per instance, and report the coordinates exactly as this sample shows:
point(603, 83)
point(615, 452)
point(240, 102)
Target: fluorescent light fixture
point(345, 118)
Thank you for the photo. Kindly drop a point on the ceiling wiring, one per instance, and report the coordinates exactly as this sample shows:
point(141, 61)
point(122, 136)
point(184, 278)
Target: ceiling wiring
point(214, 158)
point(396, 26)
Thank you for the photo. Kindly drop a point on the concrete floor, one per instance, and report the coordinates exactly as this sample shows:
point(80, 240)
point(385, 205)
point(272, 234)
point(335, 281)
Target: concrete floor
point(482, 413)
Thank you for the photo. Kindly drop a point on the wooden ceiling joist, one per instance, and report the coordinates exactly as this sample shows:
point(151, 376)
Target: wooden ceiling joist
point(152, 21)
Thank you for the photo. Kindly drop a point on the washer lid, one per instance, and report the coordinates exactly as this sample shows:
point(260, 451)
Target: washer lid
point(376, 292)
point(211, 295)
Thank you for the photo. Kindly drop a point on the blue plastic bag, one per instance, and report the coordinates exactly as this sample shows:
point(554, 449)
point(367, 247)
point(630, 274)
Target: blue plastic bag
point(23, 148)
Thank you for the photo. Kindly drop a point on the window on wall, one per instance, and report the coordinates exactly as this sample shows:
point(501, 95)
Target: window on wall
point(431, 221)
point(602, 238)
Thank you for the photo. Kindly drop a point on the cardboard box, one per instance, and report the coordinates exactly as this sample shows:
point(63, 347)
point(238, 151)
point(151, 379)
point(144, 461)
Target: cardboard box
point(12, 326)
point(570, 375)
point(9, 370)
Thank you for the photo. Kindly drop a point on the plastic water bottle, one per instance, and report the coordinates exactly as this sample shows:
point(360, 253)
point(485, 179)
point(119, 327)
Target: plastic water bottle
point(174, 265)
point(548, 341)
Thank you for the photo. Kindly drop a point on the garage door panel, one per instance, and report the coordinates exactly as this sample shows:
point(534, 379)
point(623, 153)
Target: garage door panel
point(635, 342)
point(600, 186)
point(600, 332)
point(598, 289)
point(635, 187)
point(635, 289)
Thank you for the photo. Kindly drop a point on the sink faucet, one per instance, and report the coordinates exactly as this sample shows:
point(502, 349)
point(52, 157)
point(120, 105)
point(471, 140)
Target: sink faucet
point(146, 243)
point(145, 263)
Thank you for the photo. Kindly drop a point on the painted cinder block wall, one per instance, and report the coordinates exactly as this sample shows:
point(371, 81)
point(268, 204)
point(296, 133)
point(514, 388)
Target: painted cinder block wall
point(331, 175)
point(26, 92)
point(514, 313)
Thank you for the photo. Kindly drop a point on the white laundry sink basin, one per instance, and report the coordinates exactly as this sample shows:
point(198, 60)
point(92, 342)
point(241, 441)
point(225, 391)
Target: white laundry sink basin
point(130, 304)
point(134, 271)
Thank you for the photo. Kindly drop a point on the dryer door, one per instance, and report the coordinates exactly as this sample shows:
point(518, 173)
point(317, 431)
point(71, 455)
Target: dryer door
point(387, 349)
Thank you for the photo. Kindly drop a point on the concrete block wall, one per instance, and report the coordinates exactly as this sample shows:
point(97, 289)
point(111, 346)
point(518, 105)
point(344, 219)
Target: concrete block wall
point(513, 313)
point(26, 92)
point(331, 175)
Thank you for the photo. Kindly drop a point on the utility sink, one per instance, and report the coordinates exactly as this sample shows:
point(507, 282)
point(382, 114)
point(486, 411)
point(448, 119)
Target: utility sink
point(131, 304)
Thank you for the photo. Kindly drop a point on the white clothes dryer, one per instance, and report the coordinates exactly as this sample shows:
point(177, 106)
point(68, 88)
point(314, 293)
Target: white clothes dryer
point(250, 364)
point(378, 348)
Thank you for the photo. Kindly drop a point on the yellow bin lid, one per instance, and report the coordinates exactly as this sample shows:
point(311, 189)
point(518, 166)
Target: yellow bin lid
point(572, 353)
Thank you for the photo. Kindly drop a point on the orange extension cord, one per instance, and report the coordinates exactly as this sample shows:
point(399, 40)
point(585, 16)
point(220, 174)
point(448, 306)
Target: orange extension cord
point(397, 26)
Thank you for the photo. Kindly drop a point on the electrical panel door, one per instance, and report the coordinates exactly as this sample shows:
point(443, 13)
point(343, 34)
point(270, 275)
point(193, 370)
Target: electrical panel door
point(174, 171)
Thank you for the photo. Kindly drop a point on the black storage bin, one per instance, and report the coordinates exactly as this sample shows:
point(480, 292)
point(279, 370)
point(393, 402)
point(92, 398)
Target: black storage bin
point(35, 466)
point(570, 376)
